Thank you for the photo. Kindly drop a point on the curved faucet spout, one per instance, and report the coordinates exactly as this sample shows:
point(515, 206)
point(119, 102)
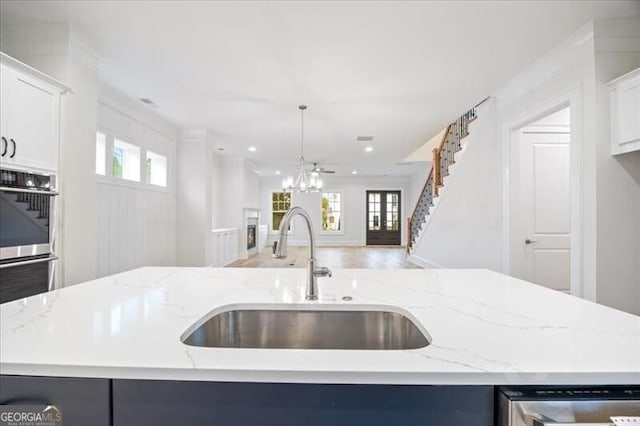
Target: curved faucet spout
point(280, 250)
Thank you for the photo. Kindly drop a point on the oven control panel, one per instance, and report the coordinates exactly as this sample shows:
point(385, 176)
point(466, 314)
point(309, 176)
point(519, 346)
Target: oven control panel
point(15, 179)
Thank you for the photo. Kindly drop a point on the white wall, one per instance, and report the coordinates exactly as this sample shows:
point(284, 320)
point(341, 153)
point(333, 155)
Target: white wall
point(353, 191)
point(465, 228)
point(135, 221)
point(213, 190)
point(250, 186)
point(194, 198)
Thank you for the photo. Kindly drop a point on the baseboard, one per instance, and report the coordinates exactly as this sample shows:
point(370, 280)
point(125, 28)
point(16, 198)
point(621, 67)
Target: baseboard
point(426, 264)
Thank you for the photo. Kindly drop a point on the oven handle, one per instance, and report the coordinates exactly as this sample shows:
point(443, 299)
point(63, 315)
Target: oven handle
point(537, 420)
point(28, 262)
point(27, 191)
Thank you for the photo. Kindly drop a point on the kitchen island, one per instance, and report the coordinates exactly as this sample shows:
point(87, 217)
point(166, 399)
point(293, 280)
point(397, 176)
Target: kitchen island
point(485, 329)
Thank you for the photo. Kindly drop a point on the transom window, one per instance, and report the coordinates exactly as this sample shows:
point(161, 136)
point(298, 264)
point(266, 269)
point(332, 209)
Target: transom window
point(126, 161)
point(121, 160)
point(101, 153)
point(156, 169)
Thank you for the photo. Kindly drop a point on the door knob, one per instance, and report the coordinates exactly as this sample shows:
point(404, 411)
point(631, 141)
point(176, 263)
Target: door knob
point(528, 241)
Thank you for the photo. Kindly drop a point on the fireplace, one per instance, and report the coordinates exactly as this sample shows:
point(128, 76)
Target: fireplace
point(250, 233)
point(251, 236)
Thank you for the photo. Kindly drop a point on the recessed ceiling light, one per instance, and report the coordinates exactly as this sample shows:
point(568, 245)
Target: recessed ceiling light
point(277, 172)
point(355, 172)
point(369, 149)
point(220, 149)
point(252, 149)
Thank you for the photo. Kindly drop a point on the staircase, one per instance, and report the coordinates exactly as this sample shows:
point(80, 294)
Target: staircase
point(444, 159)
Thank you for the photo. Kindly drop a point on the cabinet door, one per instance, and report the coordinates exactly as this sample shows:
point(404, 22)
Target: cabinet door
point(31, 111)
point(4, 100)
point(153, 403)
point(227, 247)
point(82, 401)
point(625, 113)
point(217, 249)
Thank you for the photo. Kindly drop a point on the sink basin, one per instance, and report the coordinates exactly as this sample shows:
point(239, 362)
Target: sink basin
point(307, 328)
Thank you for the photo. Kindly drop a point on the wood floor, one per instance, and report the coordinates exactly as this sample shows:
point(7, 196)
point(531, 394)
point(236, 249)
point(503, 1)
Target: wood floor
point(333, 257)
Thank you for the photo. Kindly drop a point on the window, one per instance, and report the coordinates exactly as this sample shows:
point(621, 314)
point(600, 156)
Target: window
point(155, 169)
point(280, 203)
point(331, 212)
point(126, 161)
point(101, 153)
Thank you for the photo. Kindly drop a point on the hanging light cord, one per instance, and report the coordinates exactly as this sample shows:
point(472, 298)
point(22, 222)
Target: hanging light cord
point(302, 108)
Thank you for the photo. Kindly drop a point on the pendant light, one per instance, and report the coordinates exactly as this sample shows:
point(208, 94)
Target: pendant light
point(308, 180)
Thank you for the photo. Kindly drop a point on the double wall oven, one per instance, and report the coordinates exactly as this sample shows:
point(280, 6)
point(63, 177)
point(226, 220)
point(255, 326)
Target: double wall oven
point(27, 233)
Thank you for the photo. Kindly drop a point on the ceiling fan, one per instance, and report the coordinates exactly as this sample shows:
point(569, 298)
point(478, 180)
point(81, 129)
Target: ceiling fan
point(316, 169)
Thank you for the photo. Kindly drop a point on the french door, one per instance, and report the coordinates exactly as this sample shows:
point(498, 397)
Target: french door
point(383, 218)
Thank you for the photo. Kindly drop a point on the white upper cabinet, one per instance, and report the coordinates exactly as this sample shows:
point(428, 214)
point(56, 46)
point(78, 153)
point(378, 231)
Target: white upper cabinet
point(29, 117)
point(625, 113)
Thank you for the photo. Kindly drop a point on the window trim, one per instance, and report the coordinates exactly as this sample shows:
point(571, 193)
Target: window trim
point(342, 216)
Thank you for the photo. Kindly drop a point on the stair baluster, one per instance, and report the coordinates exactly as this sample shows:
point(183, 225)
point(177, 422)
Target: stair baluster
point(443, 157)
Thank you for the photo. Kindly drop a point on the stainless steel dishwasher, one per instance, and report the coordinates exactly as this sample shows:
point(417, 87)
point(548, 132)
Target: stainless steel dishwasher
point(564, 406)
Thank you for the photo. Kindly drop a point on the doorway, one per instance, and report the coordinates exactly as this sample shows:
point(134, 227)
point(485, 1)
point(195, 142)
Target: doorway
point(540, 226)
point(383, 218)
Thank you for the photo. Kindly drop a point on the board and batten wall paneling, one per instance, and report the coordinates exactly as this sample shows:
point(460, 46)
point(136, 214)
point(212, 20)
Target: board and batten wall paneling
point(132, 228)
point(136, 221)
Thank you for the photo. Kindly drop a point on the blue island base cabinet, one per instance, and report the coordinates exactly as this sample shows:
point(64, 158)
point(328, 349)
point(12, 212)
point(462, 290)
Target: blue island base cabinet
point(83, 401)
point(155, 403)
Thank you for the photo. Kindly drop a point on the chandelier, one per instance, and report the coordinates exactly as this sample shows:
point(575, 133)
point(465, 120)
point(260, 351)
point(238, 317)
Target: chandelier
point(308, 180)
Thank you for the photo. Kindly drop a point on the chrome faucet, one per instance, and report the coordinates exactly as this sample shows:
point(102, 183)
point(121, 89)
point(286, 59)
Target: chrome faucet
point(280, 250)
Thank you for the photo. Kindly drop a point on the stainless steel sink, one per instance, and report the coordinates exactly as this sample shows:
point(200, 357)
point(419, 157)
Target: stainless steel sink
point(306, 328)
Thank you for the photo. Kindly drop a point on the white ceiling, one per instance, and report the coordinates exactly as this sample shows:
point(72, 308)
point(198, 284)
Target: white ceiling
point(399, 71)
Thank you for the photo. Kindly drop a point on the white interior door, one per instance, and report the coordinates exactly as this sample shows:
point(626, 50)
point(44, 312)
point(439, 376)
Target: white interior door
point(540, 238)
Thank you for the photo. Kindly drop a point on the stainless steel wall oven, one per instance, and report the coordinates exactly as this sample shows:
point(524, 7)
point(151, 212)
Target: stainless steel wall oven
point(27, 233)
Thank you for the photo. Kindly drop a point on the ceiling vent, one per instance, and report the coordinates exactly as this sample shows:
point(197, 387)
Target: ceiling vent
point(148, 102)
point(364, 138)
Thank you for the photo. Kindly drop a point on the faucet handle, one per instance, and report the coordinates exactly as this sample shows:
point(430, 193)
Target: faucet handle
point(322, 271)
point(278, 254)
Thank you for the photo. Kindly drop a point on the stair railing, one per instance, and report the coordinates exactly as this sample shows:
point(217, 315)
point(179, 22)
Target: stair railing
point(443, 157)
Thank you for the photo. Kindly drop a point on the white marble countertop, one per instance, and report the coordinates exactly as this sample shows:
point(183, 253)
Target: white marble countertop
point(487, 328)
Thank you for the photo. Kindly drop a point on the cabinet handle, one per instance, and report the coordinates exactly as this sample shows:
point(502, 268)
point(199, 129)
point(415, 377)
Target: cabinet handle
point(6, 146)
point(25, 401)
point(540, 420)
point(28, 191)
point(14, 148)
